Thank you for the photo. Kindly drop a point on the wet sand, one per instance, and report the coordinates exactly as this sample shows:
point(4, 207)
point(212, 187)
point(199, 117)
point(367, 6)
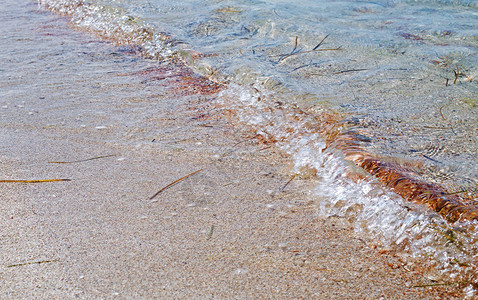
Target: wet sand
point(233, 230)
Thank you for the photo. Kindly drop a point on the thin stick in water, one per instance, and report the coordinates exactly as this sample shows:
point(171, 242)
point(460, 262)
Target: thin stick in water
point(296, 43)
point(348, 71)
point(457, 73)
point(441, 113)
point(305, 52)
point(321, 42)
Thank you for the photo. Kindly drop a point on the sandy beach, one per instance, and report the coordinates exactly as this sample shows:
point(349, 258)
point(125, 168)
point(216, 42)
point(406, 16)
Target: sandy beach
point(75, 107)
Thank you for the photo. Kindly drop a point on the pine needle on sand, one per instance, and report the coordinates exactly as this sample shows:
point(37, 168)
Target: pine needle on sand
point(287, 183)
point(439, 284)
point(82, 160)
point(173, 183)
point(33, 181)
point(32, 263)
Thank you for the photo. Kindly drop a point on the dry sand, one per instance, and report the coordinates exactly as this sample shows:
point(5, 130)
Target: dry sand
point(227, 232)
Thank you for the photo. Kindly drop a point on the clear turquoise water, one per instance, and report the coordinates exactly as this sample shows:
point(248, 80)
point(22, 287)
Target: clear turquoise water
point(408, 67)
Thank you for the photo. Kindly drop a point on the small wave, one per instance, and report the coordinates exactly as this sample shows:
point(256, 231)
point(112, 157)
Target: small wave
point(446, 250)
point(386, 201)
point(115, 24)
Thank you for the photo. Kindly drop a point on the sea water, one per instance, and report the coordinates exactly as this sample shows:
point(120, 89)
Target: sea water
point(400, 75)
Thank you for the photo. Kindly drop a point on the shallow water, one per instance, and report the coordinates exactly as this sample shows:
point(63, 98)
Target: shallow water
point(406, 67)
point(400, 75)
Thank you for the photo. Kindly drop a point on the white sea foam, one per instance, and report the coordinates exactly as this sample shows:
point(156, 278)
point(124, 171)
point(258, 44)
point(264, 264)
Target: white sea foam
point(377, 214)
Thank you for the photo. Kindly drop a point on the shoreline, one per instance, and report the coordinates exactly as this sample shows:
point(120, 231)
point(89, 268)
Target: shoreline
point(348, 139)
point(234, 230)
